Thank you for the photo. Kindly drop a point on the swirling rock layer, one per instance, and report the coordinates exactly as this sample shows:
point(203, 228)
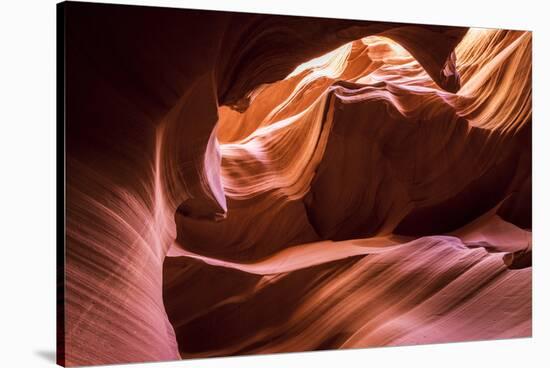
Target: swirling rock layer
point(243, 183)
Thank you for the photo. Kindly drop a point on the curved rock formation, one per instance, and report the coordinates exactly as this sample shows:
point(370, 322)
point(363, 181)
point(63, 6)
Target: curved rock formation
point(243, 183)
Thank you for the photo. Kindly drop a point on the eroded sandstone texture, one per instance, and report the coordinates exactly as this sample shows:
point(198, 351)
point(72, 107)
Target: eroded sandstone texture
point(243, 184)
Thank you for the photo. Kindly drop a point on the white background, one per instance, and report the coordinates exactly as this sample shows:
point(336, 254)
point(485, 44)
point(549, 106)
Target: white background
point(27, 181)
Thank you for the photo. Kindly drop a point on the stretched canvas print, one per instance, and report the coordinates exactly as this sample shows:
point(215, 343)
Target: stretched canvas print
point(242, 184)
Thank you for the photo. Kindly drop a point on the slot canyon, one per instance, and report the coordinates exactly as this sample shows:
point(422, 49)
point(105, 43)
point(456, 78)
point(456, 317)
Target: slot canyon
point(247, 184)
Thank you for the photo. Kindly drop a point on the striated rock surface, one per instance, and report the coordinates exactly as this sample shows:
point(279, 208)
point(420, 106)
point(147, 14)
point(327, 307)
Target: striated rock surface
point(243, 183)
